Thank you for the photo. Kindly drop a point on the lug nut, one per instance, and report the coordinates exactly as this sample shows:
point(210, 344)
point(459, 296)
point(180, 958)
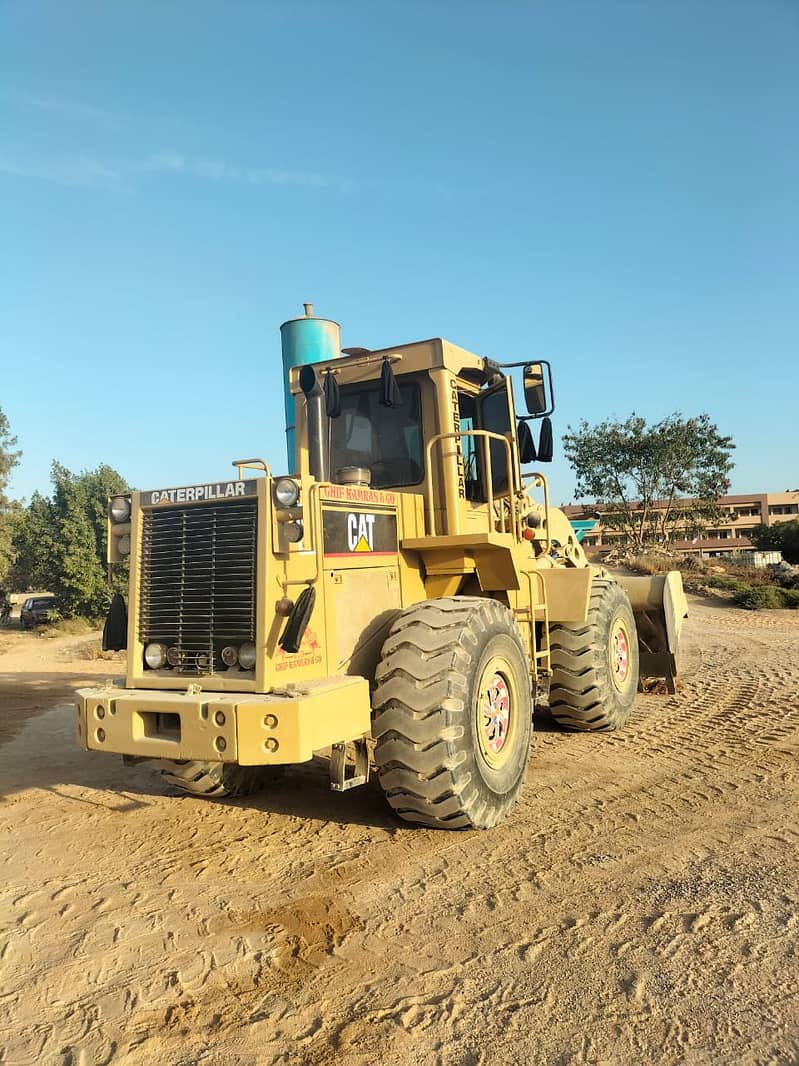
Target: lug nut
point(271, 744)
point(219, 717)
point(220, 743)
point(100, 710)
point(270, 721)
point(100, 735)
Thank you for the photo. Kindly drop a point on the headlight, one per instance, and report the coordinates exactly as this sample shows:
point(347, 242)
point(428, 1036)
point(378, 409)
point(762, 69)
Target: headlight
point(293, 531)
point(173, 656)
point(119, 509)
point(155, 656)
point(287, 492)
point(123, 544)
point(247, 656)
point(230, 655)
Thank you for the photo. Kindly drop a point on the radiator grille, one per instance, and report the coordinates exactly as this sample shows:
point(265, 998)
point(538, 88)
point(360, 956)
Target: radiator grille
point(197, 587)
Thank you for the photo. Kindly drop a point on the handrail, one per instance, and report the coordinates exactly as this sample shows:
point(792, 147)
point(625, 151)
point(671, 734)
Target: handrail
point(489, 476)
point(251, 464)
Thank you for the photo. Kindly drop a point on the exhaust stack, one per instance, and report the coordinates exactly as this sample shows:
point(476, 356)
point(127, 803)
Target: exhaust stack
point(304, 340)
point(318, 454)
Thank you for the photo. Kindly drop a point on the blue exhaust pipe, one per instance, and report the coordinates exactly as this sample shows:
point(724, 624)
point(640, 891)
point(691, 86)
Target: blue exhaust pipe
point(304, 340)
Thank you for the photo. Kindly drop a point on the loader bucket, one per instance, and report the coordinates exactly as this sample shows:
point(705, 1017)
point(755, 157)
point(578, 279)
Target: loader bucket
point(659, 606)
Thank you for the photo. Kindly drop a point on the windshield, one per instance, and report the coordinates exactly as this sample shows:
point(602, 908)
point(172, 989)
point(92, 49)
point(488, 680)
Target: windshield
point(385, 440)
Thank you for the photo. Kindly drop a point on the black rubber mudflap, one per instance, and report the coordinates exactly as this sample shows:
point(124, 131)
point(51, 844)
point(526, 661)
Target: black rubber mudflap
point(115, 630)
point(299, 618)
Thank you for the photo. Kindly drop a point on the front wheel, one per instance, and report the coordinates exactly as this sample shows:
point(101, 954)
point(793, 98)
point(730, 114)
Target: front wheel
point(453, 713)
point(595, 664)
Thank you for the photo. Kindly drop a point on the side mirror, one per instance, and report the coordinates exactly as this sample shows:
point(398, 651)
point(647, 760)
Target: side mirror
point(538, 397)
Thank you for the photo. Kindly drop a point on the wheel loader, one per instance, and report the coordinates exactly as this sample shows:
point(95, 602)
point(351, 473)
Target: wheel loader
point(400, 598)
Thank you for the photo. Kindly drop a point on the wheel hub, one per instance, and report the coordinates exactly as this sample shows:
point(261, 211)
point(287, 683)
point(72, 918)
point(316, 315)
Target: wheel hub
point(495, 713)
point(620, 655)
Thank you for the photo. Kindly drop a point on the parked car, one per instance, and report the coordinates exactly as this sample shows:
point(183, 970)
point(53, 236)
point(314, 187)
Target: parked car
point(35, 611)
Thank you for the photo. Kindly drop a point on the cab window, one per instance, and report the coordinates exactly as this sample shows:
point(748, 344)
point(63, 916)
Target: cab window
point(387, 441)
point(494, 415)
point(467, 417)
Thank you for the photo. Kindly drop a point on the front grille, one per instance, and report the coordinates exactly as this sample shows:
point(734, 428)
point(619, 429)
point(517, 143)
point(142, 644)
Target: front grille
point(197, 582)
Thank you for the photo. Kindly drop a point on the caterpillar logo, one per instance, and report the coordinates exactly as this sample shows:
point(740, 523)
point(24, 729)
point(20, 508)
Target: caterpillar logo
point(225, 490)
point(350, 533)
point(361, 532)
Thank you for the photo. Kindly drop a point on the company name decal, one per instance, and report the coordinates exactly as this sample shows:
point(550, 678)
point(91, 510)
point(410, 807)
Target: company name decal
point(357, 494)
point(224, 490)
point(310, 653)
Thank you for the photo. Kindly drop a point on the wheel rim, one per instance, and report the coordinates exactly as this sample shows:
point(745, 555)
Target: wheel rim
point(496, 712)
point(619, 654)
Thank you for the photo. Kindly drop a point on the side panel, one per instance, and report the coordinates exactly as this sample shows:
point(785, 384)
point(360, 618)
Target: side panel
point(361, 575)
point(362, 606)
point(568, 592)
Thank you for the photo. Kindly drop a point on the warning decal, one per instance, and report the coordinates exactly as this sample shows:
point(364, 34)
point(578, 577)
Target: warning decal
point(349, 532)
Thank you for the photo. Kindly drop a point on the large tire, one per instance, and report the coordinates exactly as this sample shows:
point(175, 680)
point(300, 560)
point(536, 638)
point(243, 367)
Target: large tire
point(214, 780)
point(453, 713)
point(595, 664)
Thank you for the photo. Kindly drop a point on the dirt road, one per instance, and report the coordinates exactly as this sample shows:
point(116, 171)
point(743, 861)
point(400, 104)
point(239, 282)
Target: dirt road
point(640, 906)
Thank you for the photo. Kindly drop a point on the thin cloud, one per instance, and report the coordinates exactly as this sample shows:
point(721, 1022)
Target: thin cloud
point(83, 171)
point(61, 106)
point(87, 171)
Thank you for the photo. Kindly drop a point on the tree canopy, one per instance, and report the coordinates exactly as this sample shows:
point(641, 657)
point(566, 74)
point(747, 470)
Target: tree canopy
point(653, 482)
point(60, 541)
point(9, 457)
point(782, 536)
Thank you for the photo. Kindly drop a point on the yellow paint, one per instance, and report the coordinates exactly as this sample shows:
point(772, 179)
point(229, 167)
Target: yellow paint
point(300, 720)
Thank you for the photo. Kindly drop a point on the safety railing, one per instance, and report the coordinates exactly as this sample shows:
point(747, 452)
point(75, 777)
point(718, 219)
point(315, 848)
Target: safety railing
point(251, 464)
point(489, 478)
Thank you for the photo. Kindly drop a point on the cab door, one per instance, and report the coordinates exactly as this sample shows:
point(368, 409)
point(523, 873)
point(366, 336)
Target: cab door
point(496, 413)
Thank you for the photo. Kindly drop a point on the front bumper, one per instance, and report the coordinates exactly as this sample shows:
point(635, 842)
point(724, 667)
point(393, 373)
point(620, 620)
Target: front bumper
point(284, 726)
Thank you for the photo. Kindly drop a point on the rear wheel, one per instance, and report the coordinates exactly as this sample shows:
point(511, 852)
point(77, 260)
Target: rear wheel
point(595, 664)
point(453, 713)
point(214, 780)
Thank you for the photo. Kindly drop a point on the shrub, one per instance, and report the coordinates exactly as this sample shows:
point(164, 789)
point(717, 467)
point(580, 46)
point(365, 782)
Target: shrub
point(68, 627)
point(790, 597)
point(763, 597)
point(647, 564)
point(729, 584)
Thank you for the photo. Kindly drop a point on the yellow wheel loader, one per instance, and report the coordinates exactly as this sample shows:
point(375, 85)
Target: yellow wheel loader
point(401, 597)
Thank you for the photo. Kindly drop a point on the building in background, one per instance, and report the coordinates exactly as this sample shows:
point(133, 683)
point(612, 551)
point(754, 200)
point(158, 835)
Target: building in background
point(730, 533)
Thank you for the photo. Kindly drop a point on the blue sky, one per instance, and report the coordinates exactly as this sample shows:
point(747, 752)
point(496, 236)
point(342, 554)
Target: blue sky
point(610, 185)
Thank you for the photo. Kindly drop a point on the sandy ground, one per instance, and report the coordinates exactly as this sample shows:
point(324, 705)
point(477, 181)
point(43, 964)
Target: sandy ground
point(640, 906)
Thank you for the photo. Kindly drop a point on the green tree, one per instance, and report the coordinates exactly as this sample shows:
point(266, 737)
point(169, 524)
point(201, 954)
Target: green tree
point(782, 536)
point(33, 545)
point(9, 509)
point(653, 482)
point(60, 542)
